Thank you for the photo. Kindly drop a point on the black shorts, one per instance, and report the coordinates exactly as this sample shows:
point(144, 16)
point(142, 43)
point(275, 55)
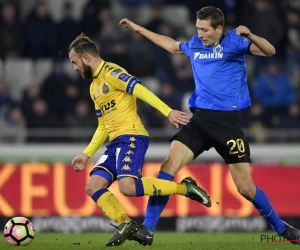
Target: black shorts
point(218, 129)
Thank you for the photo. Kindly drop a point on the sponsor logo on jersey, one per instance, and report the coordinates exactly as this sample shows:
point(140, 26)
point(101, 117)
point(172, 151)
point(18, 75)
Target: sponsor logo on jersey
point(218, 49)
point(105, 107)
point(98, 113)
point(124, 77)
point(126, 167)
point(115, 72)
point(127, 159)
point(132, 82)
point(217, 53)
point(105, 88)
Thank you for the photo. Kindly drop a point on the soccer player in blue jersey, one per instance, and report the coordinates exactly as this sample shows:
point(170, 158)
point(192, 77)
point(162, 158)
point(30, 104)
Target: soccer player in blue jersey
point(219, 68)
point(114, 92)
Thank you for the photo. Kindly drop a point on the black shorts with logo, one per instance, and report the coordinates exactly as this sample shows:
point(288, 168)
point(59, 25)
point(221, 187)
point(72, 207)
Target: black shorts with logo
point(219, 129)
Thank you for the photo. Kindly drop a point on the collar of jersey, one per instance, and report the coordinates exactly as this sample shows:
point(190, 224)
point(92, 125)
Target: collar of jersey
point(223, 35)
point(98, 70)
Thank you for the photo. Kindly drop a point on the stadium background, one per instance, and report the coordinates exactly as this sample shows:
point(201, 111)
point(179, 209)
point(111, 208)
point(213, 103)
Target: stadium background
point(46, 115)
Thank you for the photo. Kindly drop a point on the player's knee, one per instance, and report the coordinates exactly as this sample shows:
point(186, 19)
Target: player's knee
point(90, 189)
point(127, 188)
point(168, 163)
point(246, 192)
point(170, 166)
point(126, 191)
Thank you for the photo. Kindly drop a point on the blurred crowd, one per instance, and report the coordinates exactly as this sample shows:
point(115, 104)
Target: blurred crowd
point(59, 99)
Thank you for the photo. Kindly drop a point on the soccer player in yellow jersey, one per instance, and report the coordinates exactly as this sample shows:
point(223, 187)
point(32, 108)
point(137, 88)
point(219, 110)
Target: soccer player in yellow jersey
point(114, 93)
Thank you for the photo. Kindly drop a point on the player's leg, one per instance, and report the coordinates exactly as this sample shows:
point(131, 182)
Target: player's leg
point(150, 186)
point(231, 143)
point(97, 189)
point(129, 168)
point(110, 206)
point(156, 203)
point(102, 176)
point(130, 152)
point(178, 157)
point(242, 178)
point(187, 144)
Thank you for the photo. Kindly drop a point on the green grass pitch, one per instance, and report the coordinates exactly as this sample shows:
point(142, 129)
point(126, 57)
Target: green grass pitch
point(162, 240)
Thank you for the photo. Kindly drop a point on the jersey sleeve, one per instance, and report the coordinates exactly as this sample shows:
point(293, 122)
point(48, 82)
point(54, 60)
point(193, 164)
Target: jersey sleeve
point(98, 139)
point(242, 44)
point(97, 108)
point(147, 96)
point(100, 134)
point(131, 84)
point(186, 46)
point(122, 80)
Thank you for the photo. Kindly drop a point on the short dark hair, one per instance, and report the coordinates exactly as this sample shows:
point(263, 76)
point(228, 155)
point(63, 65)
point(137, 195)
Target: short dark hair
point(215, 15)
point(83, 44)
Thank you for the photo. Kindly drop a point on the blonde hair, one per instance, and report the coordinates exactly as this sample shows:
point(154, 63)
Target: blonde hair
point(83, 44)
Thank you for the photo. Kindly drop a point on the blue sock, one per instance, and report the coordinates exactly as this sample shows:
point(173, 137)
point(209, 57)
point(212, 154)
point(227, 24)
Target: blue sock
point(98, 193)
point(263, 205)
point(156, 205)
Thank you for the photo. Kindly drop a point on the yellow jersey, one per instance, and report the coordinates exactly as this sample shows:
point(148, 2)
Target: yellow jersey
point(114, 93)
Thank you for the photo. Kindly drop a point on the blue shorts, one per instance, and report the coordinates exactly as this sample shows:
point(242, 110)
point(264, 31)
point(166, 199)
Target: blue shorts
point(124, 157)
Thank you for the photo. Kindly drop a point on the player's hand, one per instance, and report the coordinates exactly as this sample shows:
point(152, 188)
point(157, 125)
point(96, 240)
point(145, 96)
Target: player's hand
point(79, 162)
point(177, 118)
point(243, 31)
point(130, 25)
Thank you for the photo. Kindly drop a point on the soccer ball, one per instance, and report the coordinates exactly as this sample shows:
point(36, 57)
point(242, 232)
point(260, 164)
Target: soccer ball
point(19, 231)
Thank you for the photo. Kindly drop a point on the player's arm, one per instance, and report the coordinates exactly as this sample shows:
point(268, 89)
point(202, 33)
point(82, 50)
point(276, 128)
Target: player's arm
point(98, 139)
point(100, 135)
point(175, 117)
point(164, 42)
point(131, 85)
point(259, 46)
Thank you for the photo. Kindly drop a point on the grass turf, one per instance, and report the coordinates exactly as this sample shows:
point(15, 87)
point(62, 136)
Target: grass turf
point(162, 240)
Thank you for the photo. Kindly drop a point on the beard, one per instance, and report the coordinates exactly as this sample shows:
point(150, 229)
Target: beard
point(87, 72)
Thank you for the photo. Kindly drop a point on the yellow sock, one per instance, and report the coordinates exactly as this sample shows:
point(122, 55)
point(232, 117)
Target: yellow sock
point(109, 204)
point(157, 187)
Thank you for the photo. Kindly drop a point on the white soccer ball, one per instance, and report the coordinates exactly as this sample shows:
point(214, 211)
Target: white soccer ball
point(19, 231)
